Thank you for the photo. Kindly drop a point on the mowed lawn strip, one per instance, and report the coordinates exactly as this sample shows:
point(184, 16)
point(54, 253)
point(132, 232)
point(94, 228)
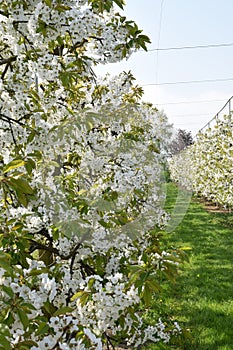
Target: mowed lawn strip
point(201, 299)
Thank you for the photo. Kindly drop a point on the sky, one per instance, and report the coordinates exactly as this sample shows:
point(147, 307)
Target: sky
point(179, 23)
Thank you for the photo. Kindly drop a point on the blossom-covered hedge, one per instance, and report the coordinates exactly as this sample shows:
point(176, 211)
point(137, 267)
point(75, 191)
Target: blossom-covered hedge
point(206, 166)
point(80, 181)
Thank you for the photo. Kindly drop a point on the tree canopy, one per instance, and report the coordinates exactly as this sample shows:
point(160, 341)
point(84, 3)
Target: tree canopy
point(181, 140)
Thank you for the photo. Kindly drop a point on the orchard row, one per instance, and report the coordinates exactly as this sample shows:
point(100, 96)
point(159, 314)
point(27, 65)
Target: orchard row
point(206, 166)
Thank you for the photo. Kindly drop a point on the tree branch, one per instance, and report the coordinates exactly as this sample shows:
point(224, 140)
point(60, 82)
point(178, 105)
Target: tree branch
point(10, 120)
point(8, 60)
point(12, 134)
point(36, 245)
point(5, 71)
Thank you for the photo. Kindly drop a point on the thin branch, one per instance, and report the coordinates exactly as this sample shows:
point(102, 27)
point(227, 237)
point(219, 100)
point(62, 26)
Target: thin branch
point(43, 232)
point(7, 119)
point(5, 71)
point(3, 49)
point(73, 258)
point(94, 76)
point(8, 60)
point(12, 120)
point(25, 37)
point(12, 134)
point(36, 245)
point(78, 44)
point(74, 251)
point(97, 38)
point(3, 13)
point(88, 269)
point(109, 341)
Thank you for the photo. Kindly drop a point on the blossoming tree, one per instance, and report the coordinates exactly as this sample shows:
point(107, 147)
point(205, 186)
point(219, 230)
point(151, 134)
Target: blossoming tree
point(80, 181)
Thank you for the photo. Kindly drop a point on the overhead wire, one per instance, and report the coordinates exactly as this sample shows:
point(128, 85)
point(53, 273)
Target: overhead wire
point(188, 102)
point(191, 115)
point(189, 82)
point(195, 123)
point(208, 46)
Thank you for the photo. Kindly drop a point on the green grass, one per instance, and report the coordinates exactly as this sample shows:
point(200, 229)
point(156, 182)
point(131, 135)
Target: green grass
point(201, 299)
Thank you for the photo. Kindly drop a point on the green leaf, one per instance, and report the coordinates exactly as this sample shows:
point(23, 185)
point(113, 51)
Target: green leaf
point(9, 319)
point(49, 308)
point(4, 330)
point(5, 343)
point(36, 272)
point(121, 321)
point(186, 248)
point(147, 295)
point(145, 38)
point(65, 79)
point(110, 195)
point(154, 286)
point(26, 344)
point(13, 165)
point(120, 3)
point(8, 291)
point(42, 329)
point(42, 28)
point(63, 310)
point(143, 45)
point(34, 95)
point(124, 51)
point(83, 296)
point(62, 8)
point(21, 185)
point(48, 2)
point(105, 224)
point(31, 136)
point(28, 306)
point(5, 263)
point(22, 199)
point(23, 318)
point(30, 165)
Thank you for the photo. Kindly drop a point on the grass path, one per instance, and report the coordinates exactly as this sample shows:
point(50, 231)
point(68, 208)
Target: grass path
point(202, 297)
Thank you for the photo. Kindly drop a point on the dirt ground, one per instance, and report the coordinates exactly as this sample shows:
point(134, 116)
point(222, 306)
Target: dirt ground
point(214, 207)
